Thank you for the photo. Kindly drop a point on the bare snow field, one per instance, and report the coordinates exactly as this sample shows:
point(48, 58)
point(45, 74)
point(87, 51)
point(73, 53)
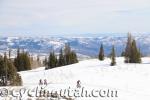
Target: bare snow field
point(131, 81)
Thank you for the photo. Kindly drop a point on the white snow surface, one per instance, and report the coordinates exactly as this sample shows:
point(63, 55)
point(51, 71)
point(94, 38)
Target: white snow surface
point(132, 81)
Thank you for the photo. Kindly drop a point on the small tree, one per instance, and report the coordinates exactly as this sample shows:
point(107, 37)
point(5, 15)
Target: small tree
point(113, 57)
point(101, 53)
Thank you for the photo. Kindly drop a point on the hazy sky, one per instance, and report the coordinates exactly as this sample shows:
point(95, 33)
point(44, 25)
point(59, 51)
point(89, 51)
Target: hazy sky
point(73, 16)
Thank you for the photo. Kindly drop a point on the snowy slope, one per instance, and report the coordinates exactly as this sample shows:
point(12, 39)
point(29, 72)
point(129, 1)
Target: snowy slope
point(132, 81)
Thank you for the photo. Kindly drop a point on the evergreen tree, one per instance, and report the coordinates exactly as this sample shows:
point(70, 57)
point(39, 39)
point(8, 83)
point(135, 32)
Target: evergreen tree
point(8, 72)
point(61, 60)
point(26, 59)
point(45, 62)
point(67, 51)
point(73, 57)
point(101, 53)
point(22, 61)
point(2, 71)
point(132, 54)
point(17, 60)
point(128, 48)
point(13, 76)
point(66, 57)
point(18, 80)
point(2, 66)
point(113, 57)
point(9, 53)
point(38, 58)
point(69, 55)
point(52, 60)
point(135, 54)
point(6, 67)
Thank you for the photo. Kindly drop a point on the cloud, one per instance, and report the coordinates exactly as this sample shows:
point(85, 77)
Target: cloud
point(74, 16)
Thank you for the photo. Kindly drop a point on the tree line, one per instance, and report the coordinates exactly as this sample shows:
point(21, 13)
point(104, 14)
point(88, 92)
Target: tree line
point(131, 53)
point(9, 67)
point(22, 61)
point(8, 72)
point(66, 57)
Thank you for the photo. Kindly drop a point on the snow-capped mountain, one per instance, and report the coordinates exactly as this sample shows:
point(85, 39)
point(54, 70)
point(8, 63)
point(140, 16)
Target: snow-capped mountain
point(83, 45)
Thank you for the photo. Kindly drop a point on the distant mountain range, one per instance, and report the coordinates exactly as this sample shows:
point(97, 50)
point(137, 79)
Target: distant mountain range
point(82, 45)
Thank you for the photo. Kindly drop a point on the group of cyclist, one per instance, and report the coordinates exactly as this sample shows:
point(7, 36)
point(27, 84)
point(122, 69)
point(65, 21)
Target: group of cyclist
point(44, 82)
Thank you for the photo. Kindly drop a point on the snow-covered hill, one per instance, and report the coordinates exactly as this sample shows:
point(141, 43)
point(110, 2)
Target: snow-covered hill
point(82, 45)
point(132, 81)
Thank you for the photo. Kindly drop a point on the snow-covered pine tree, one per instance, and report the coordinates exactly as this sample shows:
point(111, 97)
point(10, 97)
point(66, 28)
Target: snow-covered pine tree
point(101, 53)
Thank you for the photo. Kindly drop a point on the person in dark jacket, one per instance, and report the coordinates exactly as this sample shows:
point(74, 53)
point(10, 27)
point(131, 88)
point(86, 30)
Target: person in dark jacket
point(78, 84)
point(45, 82)
point(40, 82)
